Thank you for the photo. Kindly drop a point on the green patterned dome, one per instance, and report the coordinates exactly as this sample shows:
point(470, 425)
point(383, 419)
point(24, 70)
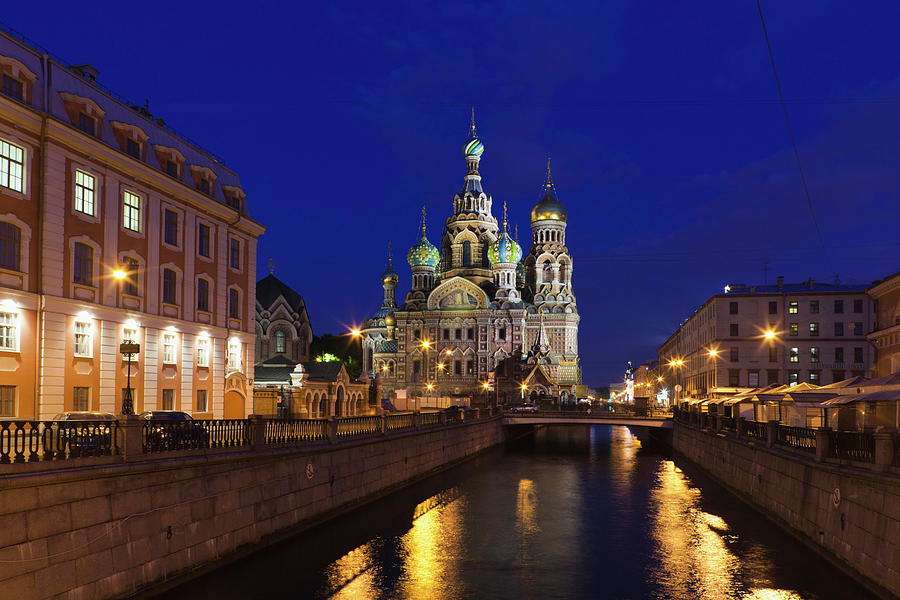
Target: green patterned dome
point(505, 250)
point(473, 146)
point(423, 254)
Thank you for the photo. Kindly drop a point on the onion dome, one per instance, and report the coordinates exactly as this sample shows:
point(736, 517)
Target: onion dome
point(390, 275)
point(549, 208)
point(423, 253)
point(504, 249)
point(473, 146)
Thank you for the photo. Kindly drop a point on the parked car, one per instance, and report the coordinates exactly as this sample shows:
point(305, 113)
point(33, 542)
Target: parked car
point(528, 407)
point(173, 430)
point(84, 433)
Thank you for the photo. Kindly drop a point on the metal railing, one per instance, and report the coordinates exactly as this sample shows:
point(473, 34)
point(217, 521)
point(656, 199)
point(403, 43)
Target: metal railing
point(30, 441)
point(728, 423)
point(756, 430)
point(801, 438)
point(852, 445)
point(357, 426)
point(429, 419)
point(166, 436)
point(400, 422)
point(287, 431)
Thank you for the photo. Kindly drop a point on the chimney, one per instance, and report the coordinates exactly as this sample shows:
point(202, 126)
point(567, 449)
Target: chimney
point(809, 283)
point(86, 71)
point(780, 283)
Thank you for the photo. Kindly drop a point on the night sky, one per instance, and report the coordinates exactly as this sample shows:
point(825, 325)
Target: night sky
point(669, 145)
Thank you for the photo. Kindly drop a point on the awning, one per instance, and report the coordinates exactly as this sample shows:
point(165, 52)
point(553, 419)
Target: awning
point(882, 396)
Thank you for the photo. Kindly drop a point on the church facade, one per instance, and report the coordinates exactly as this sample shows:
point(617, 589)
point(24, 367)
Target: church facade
point(482, 319)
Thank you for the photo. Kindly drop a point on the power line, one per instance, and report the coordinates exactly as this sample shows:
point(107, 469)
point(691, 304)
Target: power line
point(791, 133)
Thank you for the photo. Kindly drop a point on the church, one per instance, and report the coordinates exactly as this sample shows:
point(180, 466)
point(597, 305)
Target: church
point(482, 321)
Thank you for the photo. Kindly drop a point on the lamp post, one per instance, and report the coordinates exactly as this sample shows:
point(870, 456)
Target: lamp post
point(713, 384)
point(128, 349)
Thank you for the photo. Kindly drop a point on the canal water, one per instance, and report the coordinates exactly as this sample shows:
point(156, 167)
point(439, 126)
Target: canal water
point(570, 512)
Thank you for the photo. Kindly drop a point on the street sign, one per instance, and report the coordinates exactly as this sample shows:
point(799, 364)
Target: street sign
point(129, 348)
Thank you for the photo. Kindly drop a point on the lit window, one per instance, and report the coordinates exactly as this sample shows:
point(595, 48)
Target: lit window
point(81, 398)
point(793, 378)
point(235, 255)
point(793, 307)
point(83, 272)
point(129, 335)
point(234, 304)
point(202, 396)
point(10, 246)
point(234, 355)
point(7, 401)
point(795, 329)
point(814, 377)
point(84, 192)
point(280, 345)
point(131, 211)
point(814, 355)
point(170, 235)
point(203, 294)
point(203, 240)
point(12, 166)
point(168, 348)
point(795, 355)
point(9, 331)
point(168, 399)
point(83, 339)
point(12, 88)
point(814, 329)
point(203, 352)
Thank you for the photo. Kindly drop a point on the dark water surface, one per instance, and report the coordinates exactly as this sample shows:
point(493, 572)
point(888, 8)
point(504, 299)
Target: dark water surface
point(571, 512)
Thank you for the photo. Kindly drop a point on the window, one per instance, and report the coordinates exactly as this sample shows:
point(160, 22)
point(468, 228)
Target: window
point(793, 378)
point(793, 307)
point(813, 306)
point(81, 398)
point(131, 211)
point(466, 253)
point(445, 334)
point(133, 148)
point(795, 329)
point(234, 355)
point(171, 227)
point(203, 240)
point(733, 330)
point(204, 186)
point(732, 308)
point(203, 352)
point(457, 367)
point(771, 376)
point(733, 355)
point(234, 256)
point(83, 342)
point(202, 396)
point(84, 193)
point(172, 168)
point(858, 355)
point(129, 335)
point(457, 334)
point(9, 331)
point(87, 124)
point(470, 367)
point(734, 377)
point(10, 246)
point(84, 264)
point(839, 307)
point(753, 379)
point(234, 304)
point(501, 333)
point(470, 333)
point(773, 354)
point(838, 329)
point(12, 167)
point(417, 367)
point(814, 377)
point(168, 344)
point(839, 356)
point(12, 88)
point(7, 401)
point(814, 354)
point(857, 328)
point(814, 329)
point(548, 273)
point(203, 294)
point(773, 307)
point(280, 345)
point(417, 334)
point(857, 306)
point(168, 399)
point(837, 375)
point(795, 355)
point(170, 279)
point(129, 284)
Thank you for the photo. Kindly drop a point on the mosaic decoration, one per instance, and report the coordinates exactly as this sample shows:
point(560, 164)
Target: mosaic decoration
point(505, 250)
point(423, 254)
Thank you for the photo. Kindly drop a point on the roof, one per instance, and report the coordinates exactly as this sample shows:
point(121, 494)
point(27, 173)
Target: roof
point(892, 379)
point(845, 383)
point(278, 361)
point(386, 346)
point(798, 288)
point(881, 396)
point(270, 287)
point(323, 371)
point(268, 374)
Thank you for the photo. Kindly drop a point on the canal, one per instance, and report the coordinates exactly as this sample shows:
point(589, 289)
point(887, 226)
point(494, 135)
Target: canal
point(570, 512)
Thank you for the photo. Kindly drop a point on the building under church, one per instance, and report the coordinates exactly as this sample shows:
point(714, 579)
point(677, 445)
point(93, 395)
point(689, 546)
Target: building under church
point(480, 315)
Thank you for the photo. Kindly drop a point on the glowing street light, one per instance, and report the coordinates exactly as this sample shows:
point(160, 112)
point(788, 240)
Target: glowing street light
point(426, 344)
point(713, 353)
point(120, 274)
point(355, 332)
point(769, 334)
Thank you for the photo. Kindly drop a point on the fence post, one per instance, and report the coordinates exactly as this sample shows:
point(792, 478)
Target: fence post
point(383, 424)
point(418, 419)
point(823, 441)
point(332, 430)
point(771, 433)
point(443, 418)
point(477, 413)
point(257, 427)
point(884, 449)
point(128, 439)
point(740, 426)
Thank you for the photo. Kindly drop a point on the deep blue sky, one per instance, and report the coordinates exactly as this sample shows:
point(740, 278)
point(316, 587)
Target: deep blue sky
point(669, 145)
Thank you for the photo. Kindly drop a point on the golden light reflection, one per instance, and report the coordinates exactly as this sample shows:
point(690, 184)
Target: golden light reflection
point(622, 450)
point(432, 549)
point(526, 508)
point(353, 575)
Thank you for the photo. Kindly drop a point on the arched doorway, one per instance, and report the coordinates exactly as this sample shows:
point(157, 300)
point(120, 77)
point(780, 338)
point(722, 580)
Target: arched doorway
point(339, 403)
point(360, 405)
point(234, 405)
point(324, 408)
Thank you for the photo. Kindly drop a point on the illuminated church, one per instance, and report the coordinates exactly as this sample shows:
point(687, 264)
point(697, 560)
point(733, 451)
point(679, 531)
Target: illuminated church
point(480, 315)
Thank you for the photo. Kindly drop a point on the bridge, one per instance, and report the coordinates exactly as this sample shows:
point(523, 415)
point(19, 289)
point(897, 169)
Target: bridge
point(550, 417)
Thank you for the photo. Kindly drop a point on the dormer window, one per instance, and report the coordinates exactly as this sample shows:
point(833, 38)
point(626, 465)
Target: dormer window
point(204, 179)
point(87, 124)
point(131, 138)
point(234, 196)
point(84, 113)
point(12, 88)
point(204, 186)
point(172, 168)
point(171, 161)
point(16, 80)
point(133, 149)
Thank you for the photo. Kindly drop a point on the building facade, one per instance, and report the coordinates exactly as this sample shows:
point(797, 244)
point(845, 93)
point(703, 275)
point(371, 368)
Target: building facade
point(750, 337)
point(282, 322)
point(114, 228)
point(480, 314)
point(886, 335)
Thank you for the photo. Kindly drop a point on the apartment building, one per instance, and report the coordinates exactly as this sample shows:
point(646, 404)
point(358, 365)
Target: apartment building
point(115, 228)
point(886, 336)
point(752, 336)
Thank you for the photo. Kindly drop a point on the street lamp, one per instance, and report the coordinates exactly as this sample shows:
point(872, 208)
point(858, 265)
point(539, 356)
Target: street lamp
point(713, 355)
point(128, 349)
point(524, 388)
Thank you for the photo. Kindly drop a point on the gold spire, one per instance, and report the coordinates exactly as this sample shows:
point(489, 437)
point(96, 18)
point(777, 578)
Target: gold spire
point(549, 182)
point(517, 233)
point(473, 121)
point(504, 216)
point(423, 220)
point(390, 254)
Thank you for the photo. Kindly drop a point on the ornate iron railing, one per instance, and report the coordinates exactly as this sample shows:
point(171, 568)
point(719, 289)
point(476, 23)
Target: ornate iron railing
point(356, 426)
point(756, 430)
point(801, 438)
point(727, 423)
point(430, 419)
point(29, 441)
point(852, 445)
point(400, 422)
point(165, 436)
point(454, 416)
point(296, 430)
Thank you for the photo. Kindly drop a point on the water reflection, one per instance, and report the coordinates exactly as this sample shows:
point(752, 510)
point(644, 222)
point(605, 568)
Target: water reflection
point(353, 575)
point(433, 549)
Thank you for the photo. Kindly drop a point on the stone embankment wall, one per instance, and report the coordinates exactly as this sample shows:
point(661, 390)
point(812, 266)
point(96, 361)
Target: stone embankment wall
point(94, 528)
point(850, 515)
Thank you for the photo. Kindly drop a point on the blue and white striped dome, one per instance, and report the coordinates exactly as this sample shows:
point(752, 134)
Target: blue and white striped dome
point(505, 250)
point(473, 147)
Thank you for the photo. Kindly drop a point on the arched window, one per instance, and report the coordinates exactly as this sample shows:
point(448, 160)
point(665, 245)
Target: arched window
point(548, 273)
point(10, 244)
point(280, 345)
point(467, 253)
point(563, 272)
